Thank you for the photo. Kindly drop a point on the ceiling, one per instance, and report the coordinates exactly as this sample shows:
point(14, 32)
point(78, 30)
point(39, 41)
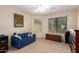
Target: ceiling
point(53, 8)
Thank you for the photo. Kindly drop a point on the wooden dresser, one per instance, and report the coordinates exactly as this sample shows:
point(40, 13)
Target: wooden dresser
point(74, 42)
point(77, 41)
point(53, 37)
point(3, 43)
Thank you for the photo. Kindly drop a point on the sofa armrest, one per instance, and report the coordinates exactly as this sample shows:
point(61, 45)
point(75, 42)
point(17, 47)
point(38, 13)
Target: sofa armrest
point(34, 36)
point(15, 42)
point(15, 38)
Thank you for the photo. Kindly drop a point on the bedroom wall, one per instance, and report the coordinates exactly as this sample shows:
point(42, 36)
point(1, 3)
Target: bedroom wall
point(71, 20)
point(7, 21)
point(78, 18)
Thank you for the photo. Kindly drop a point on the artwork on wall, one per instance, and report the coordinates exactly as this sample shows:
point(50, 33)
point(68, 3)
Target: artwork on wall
point(18, 20)
point(58, 24)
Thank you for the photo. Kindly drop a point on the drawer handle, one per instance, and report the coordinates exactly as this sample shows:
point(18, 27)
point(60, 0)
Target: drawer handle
point(3, 41)
point(3, 48)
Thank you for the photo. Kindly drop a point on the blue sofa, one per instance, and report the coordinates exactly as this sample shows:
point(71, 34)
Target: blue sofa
point(24, 41)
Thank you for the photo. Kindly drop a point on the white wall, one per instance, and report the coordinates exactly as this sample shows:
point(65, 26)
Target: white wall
point(78, 18)
point(7, 21)
point(71, 20)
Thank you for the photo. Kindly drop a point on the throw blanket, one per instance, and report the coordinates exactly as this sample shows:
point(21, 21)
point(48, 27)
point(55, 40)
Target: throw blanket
point(72, 33)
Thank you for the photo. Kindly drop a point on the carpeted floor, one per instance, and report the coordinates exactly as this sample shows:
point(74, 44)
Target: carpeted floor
point(43, 46)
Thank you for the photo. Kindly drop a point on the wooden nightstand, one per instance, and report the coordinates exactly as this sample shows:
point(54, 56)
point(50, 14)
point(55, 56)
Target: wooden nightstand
point(3, 43)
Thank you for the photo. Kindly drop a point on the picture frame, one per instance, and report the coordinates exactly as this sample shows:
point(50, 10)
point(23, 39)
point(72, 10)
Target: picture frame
point(18, 20)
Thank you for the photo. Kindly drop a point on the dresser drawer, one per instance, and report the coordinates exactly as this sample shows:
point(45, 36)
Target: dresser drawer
point(4, 39)
point(3, 49)
point(3, 46)
point(3, 43)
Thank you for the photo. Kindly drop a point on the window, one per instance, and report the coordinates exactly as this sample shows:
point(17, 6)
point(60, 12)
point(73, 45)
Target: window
point(58, 24)
point(37, 25)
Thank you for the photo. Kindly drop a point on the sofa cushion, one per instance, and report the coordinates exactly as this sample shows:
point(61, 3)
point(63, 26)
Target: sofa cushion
point(17, 36)
point(30, 34)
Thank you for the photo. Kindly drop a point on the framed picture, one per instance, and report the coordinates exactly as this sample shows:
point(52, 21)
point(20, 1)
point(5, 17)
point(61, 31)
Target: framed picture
point(18, 20)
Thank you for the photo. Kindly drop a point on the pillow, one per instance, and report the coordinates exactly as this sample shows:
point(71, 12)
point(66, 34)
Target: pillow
point(17, 36)
point(30, 34)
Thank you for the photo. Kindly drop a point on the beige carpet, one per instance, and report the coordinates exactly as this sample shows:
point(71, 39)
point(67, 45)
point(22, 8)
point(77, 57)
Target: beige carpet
point(43, 46)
